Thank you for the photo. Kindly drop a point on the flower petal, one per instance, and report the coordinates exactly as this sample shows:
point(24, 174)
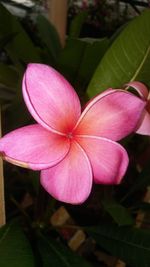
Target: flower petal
point(109, 160)
point(33, 147)
point(50, 98)
point(140, 88)
point(144, 123)
point(106, 92)
point(113, 115)
point(68, 182)
point(144, 127)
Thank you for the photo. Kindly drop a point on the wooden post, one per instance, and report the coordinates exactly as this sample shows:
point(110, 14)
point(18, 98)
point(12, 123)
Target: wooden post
point(58, 16)
point(2, 201)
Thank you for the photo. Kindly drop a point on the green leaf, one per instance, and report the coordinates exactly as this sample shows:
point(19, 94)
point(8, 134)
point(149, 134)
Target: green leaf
point(20, 47)
point(6, 39)
point(49, 37)
point(80, 58)
point(35, 180)
point(8, 82)
point(93, 53)
point(127, 59)
point(8, 76)
point(15, 250)
point(6, 95)
point(127, 243)
point(117, 32)
point(142, 181)
point(53, 253)
point(70, 58)
point(119, 213)
point(77, 23)
point(17, 114)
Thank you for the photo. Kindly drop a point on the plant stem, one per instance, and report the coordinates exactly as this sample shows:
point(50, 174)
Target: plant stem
point(58, 17)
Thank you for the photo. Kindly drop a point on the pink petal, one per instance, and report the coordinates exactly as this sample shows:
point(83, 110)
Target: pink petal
point(140, 88)
point(33, 147)
point(50, 98)
point(107, 91)
point(69, 181)
point(113, 115)
point(109, 160)
point(144, 127)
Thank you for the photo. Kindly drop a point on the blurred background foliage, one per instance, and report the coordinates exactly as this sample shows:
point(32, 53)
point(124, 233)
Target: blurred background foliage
point(105, 47)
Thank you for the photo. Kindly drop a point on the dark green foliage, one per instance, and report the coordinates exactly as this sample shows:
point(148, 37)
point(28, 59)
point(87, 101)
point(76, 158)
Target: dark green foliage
point(15, 249)
point(129, 244)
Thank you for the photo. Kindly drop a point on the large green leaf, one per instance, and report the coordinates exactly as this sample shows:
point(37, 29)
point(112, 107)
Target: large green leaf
point(49, 37)
point(15, 250)
point(127, 59)
point(119, 213)
point(53, 253)
point(20, 47)
point(129, 244)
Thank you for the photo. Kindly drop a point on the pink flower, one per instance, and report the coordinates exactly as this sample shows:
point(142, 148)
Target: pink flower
point(144, 123)
point(71, 148)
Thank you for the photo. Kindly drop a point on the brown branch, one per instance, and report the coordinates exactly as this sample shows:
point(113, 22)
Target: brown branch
point(58, 16)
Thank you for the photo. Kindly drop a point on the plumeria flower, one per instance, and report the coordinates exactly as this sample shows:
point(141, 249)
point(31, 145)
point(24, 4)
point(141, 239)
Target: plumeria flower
point(144, 123)
point(72, 149)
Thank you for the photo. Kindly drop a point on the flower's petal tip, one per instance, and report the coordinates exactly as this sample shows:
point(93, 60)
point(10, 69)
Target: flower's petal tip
point(33, 66)
point(68, 200)
point(140, 88)
point(50, 98)
point(29, 65)
point(75, 199)
point(13, 161)
point(64, 198)
point(109, 160)
point(17, 163)
point(124, 162)
point(144, 126)
point(33, 147)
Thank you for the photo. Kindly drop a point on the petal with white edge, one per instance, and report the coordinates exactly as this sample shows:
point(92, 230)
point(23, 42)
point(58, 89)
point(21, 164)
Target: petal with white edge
point(33, 147)
point(113, 115)
point(140, 88)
